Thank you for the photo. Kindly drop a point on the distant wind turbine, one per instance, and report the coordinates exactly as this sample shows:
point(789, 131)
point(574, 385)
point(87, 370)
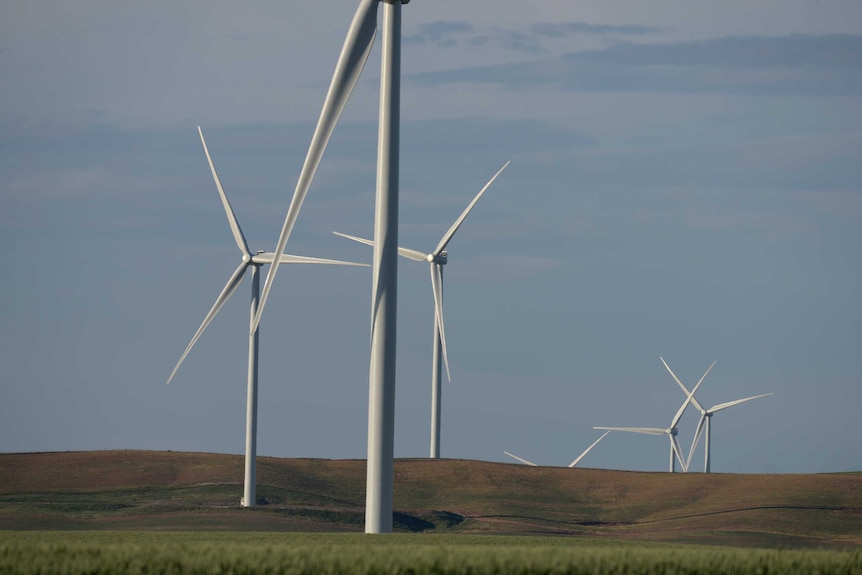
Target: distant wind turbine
point(670, 431)
point(572, 464)
point(436, 259)
point(704, 424)
point(254, 261)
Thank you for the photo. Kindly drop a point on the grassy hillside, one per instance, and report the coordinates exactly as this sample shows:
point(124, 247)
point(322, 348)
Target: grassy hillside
point(165, 490)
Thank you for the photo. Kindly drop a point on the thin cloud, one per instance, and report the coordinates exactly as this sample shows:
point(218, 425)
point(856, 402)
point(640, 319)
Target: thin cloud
point(445, 34)
point(567, 29)
point(796, 51)
point(791, 65)
point(526, 40)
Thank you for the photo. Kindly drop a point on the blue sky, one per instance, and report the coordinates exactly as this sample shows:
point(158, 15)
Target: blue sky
point(685, 182)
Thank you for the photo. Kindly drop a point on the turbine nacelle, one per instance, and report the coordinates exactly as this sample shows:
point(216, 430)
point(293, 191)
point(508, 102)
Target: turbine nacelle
point(438, 259)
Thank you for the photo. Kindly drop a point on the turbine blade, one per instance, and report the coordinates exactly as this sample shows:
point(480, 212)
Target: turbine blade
point(645, 430)
point(708, 369)
point(355, 238)
point(721, 406)
point(684, 388)
point(587, 450)
point(238, 237)
point(354, 53)
point(688, 399)
point(437, 286)
point(697, 434)
point(268, 257)
point(444, 241)
point(229, 289)
point(674, 442)
point(414, 255)
point(522, 460)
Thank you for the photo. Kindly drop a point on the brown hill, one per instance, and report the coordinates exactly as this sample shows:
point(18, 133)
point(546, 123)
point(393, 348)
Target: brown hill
point(167, 490)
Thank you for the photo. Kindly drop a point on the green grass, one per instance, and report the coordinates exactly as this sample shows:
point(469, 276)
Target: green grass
point(417, 554)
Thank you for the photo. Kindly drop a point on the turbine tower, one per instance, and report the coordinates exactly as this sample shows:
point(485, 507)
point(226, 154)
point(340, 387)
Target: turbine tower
point(572, 464)
point(254, 261)
point(436, 259)
point(704, 424)
point(670, 432)
point(381, 379)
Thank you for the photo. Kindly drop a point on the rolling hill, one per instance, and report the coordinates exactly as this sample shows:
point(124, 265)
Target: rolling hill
point(198, 491)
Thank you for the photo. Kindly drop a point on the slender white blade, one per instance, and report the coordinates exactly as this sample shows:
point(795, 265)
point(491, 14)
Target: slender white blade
point(444, 241)
point(229, 289)
point(521, 459)
point(698, 431)
point(674, 442)
point(684, 388)
point(721, 406)
point(688, 399)
point(645, 430)
point(268, 257)
point(414, 255)
point(352, 59)
point(355, 238)
point(238, 236)
point(587, 450)
point(437, 286)
point(705, 374)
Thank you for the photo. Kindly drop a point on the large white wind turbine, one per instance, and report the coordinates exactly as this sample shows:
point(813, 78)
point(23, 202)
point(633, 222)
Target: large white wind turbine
point(704, 424)
point(572, 464)
point(381, 379)
point(254, 261)
point(436, 259)
point(670, 432)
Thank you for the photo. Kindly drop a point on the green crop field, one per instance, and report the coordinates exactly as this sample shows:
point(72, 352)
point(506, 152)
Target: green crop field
point(104, 552)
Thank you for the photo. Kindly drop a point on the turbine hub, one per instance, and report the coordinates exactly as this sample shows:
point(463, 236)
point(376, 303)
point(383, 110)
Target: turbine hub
point(247, 257)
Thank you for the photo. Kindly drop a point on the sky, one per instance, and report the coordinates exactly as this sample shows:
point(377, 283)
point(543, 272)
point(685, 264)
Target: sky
point(685, 183)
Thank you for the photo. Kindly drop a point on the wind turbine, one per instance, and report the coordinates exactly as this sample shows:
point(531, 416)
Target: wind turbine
point(436, 259)
point(572, 464)
point(381, 379)
point(253, 261)
point(706, 419)
point(670, 431)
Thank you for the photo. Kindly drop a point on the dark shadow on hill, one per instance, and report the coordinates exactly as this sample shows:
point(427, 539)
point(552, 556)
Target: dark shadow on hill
point(425, 520)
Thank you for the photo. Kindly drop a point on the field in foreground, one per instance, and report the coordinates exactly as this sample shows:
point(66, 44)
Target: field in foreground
point(295, 553)
point(141, 490)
